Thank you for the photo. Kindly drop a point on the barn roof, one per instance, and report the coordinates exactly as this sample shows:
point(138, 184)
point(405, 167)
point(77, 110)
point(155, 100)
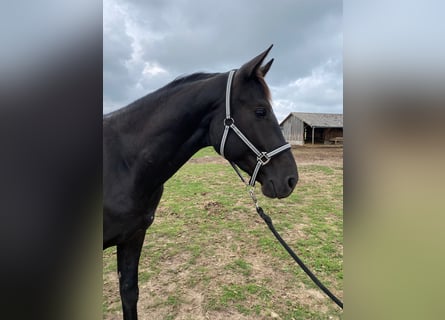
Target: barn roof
point(319, 120)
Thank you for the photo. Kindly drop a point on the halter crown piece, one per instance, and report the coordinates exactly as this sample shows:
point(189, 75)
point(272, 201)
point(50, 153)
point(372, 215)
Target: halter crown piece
point(262, 157)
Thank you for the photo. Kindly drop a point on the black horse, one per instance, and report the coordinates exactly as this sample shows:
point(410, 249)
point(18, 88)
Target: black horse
point(145, 143)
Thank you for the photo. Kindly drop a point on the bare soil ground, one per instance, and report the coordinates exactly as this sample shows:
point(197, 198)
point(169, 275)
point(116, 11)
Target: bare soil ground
point(319, 155)
point(326, 155)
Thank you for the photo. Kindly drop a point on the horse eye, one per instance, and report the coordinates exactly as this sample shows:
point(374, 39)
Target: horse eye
point(260, 112)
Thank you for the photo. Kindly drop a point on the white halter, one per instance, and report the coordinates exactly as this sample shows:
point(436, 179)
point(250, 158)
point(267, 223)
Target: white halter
point(262, 157)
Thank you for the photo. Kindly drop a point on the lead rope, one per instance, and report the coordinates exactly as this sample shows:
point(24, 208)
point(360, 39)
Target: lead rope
point(262, 159)
point(269, 223)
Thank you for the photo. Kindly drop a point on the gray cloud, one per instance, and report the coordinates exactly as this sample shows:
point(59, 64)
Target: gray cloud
point(149, 43)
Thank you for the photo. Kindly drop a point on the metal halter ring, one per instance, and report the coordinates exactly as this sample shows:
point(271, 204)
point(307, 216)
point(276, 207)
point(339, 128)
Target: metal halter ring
point(229, 122)
point(262, 157)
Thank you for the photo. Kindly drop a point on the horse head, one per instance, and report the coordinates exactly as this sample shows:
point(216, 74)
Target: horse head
point(250, 113)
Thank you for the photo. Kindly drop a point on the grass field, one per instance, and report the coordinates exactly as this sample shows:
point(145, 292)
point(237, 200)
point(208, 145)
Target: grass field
point(209, 256)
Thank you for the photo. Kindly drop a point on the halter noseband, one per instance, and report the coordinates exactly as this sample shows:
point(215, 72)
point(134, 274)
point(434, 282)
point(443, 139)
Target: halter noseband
point(262, 157)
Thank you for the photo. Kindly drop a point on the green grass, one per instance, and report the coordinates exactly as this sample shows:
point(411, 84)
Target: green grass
point(208, 248)
point(238, 295)
point(206, 152)
point(240, 266)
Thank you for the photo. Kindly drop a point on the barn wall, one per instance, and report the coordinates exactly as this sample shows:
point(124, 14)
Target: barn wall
point(333, 133)
point(293, 131)
point(294, 128)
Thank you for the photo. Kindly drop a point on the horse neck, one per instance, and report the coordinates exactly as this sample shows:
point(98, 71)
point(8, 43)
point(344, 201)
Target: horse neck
point(164, 131)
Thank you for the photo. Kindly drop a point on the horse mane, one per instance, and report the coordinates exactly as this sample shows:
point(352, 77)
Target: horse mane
point(188, 78)
point(202, 76)
point(183, 79)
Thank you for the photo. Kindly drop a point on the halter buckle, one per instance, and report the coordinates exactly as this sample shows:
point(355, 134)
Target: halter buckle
point(251, 191)
point(228, 122)
point(263, 159)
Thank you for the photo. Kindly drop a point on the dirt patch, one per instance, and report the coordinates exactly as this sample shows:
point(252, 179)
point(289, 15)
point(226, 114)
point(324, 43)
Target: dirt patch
point(304, 155)
point(213, 207)
point(319, 155)
point(209, 159)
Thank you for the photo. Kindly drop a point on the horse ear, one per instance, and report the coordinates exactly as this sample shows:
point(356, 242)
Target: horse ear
point(264, 69)
point(252, 68)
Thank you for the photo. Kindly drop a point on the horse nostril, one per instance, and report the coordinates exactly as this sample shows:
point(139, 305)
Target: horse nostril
point(292, 182)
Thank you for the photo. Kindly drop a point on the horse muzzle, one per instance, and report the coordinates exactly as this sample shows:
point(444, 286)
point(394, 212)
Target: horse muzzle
point(274, 188)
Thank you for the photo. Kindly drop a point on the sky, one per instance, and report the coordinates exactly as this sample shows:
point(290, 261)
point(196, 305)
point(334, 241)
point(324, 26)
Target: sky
point(147, 44)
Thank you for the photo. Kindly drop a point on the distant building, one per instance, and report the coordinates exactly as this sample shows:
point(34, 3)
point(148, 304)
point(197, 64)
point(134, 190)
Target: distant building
point(314, 128)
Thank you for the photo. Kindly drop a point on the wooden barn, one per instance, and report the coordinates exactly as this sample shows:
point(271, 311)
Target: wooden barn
point(314, 128)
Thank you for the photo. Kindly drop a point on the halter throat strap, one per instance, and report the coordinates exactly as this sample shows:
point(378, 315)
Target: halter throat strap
point(229, 123)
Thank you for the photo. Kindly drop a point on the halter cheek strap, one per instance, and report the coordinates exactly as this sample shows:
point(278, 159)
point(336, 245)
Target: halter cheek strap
point(262, 157)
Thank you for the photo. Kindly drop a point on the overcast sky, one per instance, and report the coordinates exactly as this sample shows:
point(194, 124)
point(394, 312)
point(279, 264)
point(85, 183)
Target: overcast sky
point(149, 43)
